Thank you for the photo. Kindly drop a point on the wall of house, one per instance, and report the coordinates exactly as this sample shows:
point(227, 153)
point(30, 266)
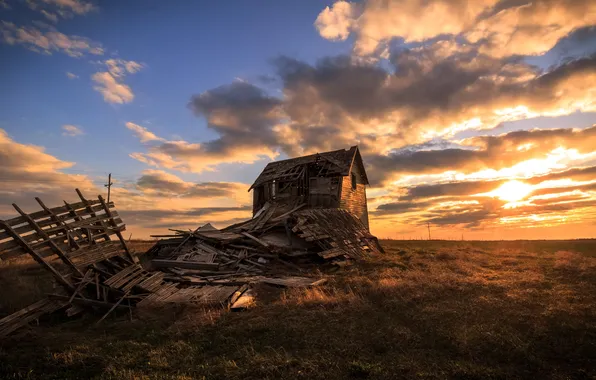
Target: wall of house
point(354, 200)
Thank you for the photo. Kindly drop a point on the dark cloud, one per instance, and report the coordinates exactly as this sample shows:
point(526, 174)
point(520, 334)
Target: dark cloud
point(578, 174)
point(400, 207)
point(484, 152)
point(164, 184)
point(241, 113)
point(450, 189)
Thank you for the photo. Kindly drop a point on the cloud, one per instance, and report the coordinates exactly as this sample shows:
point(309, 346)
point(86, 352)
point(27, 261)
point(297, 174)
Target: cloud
point(485, 152)
point(335, 23)
point(48, 41)
point(26, 171)
point(50, 16)
point(163, 183)
point(498, 28)
point(112, 90)
point(51, 9)
point(243, 115)
point(154, 202)
point(71, 75)
point(109, 83)
point(72, 130)
point(121, 67)
point(143, 133)
point(76, 6)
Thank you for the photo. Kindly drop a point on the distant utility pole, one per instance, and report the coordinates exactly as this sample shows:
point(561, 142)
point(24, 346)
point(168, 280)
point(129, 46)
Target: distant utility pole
point(109, 186)
point(428, 225)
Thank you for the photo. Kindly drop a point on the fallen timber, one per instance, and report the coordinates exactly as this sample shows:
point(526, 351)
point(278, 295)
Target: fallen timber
point(82, 246)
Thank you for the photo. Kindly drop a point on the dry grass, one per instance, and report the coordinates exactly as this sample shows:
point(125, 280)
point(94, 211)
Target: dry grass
point(425, 310)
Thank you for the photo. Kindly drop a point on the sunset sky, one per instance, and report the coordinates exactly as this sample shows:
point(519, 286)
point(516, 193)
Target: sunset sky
point(477, 117)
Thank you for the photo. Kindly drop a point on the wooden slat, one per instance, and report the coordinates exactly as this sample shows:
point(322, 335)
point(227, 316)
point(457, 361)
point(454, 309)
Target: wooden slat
point(118, 233)
point(57, 219)
point(53, 245)
point(183, 264)
point(63, 281)
point(57, 210)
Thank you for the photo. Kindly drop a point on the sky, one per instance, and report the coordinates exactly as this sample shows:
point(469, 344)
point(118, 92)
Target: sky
point(474, 118)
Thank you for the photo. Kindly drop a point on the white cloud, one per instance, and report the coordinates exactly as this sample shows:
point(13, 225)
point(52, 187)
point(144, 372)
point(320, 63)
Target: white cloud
point(109, 83)
point(72, 130)
point(111, 89)
point(76, 6)
point(502, 28)
point(120, 67)
point(335, 23)
point(50, 16)
point(49, 41)
point(143, 133)
point(71, 75)
point(186, 156)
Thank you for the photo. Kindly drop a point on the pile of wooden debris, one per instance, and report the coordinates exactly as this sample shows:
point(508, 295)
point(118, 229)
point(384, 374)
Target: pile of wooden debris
point(206, 266)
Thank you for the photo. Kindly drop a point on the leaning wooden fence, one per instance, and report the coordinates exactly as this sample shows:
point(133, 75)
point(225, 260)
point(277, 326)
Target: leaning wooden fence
point(79, 243)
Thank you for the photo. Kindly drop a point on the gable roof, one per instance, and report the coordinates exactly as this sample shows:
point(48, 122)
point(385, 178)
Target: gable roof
point(343, 159)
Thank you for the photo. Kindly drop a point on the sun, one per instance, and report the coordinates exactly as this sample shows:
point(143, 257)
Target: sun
point(512, 191)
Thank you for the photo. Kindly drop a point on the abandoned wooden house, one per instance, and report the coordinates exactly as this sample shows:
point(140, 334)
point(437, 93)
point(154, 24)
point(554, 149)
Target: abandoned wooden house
point(335, 179)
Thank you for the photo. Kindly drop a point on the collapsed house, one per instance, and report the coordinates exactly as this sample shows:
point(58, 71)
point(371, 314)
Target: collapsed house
point(335, 179)
point(309, 212)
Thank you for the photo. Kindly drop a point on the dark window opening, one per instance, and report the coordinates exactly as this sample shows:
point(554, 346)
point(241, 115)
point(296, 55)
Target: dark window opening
point(273, 190)
point(353, 181)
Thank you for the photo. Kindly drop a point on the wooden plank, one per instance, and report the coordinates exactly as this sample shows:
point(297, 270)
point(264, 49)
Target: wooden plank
point(86, 302)
point(61, 279)
point(57, 210)
point(112, 308)
point(118, 233)
point(245, 301)
point(93, 214)
point(159, 263)
point(264, 244)
point(24, 316)
point(86, 279)
point(53, 245)
point(58, 221)
point(294, 282)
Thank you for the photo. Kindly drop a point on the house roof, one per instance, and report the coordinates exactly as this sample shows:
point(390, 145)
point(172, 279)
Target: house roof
point(343, 158)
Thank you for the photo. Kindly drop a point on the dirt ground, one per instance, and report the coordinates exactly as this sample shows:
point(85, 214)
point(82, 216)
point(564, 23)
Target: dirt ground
point(423, 310)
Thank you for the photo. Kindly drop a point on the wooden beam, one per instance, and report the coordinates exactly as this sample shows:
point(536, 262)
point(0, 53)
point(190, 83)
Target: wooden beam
point(112, 308)
point(118, 233)
point(72, 212)
point(183, 242)
point(93, 214)
point(50, 242)
point(255, 239)
point(59, 222)
point(86, 302)
point(61, 279)
point(184, 264)
point(83, 282)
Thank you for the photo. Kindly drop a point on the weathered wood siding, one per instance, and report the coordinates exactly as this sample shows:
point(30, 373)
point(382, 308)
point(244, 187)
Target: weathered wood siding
point(354, 200)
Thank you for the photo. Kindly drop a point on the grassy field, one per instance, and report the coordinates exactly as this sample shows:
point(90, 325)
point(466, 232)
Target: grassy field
point(424, 310)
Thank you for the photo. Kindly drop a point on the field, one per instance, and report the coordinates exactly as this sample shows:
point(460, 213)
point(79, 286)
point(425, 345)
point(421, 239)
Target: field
point(424, 310)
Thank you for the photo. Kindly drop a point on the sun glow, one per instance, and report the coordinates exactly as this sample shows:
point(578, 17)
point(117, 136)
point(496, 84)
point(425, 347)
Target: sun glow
point(512, 191)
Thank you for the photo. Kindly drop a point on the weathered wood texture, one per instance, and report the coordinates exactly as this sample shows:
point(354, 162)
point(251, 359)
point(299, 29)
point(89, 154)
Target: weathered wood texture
point(59, 229)
point(338, 233)
point(354, 200)
point(322, 180)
